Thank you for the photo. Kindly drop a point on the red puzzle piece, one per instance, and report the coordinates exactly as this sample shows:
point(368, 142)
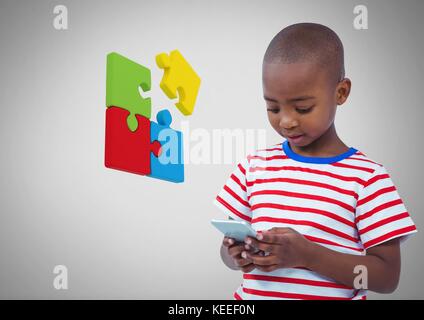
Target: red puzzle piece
point(126, 150)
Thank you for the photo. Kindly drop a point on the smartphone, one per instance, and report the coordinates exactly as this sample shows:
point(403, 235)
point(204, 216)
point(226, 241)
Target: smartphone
point(238, 230)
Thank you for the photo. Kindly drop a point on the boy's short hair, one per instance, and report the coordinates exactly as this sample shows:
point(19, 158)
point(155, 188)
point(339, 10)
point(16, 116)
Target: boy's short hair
point(308, 42)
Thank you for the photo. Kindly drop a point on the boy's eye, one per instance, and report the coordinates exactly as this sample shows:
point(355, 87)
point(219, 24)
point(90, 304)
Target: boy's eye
point(301, 110)
point(273, 110)
point(304, 110)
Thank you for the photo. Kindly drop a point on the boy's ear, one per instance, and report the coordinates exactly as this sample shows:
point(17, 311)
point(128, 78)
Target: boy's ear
point(343, 90)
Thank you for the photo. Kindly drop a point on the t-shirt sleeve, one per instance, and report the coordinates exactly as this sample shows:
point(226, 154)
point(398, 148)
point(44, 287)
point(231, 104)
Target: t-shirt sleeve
point(381, 214)
point(232, 199)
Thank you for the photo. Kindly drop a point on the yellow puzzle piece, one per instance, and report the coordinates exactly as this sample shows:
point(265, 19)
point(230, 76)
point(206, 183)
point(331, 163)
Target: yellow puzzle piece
point(179, 77)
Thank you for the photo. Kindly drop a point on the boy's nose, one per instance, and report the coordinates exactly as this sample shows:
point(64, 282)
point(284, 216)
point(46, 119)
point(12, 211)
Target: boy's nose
point(288, 123)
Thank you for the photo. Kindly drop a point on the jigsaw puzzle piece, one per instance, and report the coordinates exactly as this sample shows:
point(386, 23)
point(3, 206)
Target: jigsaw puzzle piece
point(170, 164)
point(126, 150)
point(123, 79)
point(179, 77)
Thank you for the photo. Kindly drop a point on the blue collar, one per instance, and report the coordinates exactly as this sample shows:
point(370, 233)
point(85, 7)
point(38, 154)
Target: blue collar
point(292, 155)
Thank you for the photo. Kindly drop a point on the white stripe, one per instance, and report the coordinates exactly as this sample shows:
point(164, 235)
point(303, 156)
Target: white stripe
point(294, 288)
point(381, 231)
point(309, 231)
point(306, 216)
point(380, 215)
point(234, 203)
point(304, 175)
point(226, 211)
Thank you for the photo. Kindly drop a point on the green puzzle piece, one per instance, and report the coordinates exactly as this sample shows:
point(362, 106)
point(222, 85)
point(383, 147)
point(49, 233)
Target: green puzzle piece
point(123, 79)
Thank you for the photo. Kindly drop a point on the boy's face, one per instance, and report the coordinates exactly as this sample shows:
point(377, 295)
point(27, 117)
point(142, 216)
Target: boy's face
point(301, 100)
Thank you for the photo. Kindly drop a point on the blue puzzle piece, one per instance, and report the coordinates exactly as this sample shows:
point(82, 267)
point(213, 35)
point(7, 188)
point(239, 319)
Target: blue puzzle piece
point(170, 163)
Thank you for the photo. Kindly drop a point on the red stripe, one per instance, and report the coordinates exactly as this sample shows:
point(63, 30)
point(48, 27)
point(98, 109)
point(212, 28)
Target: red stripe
point(376, 178)
point(272, 149)
point(309, 170)
point(375, 195)
point(305, 182)
point(303, 209)
point(331, 243)
point(349, 166)
point(237, 197)
point(389, 235)
point(279, 157)
point(383, 222)
point(304, 196)
point(360, 153)
point(295, 280)
point(237, 180)
point(242, 169)
point(377, 209)
point(233, 210)
point(306, 223)
point(357, 293)
point(366, 160)
point(236, 296)
point(290, 295)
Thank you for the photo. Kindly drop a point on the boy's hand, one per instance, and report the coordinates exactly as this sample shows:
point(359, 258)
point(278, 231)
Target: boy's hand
point(234, 250)
point(287, 248)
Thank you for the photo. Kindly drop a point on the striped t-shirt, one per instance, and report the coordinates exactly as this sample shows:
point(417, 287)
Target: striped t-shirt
point(347, 203)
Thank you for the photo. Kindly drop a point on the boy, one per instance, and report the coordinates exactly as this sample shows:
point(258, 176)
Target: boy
point(324, 212)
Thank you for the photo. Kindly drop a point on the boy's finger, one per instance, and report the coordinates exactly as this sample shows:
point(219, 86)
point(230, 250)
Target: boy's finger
point(242, 262)
point(267, 247)
point(279, 230)
point(250, 248)
point(235, 250)
point(259, 260)
point(248, 268)
point(269, 237)
point(228, 241)
point(268, 268)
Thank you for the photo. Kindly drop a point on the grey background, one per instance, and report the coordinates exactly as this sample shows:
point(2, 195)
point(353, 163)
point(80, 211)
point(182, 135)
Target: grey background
point(127, 236)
